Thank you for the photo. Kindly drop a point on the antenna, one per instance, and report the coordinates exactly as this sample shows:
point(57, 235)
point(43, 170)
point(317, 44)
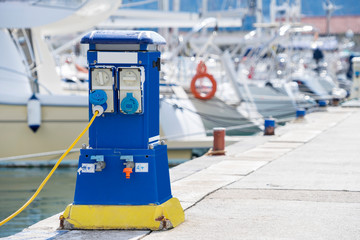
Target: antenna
point(329, 8)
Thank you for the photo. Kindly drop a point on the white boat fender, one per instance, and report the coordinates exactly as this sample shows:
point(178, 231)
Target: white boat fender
point(34, 113)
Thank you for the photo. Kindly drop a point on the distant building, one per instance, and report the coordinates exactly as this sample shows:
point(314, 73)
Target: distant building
point(345, 15)
point(338, 24)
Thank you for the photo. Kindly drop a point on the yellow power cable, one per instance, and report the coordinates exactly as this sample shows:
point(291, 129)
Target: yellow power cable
point(50, 174)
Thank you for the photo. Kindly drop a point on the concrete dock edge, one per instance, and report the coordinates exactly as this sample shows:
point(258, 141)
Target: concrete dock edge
point(302, 183)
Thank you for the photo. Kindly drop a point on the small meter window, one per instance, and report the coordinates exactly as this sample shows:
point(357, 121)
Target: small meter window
point(131, 77)
point(130, 90)
point(102, 77)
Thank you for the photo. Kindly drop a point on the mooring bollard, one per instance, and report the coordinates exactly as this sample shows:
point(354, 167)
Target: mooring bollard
point(269, 127)
point(335, 102)
point(322, 103)
point(300, 113)
point(219, 141)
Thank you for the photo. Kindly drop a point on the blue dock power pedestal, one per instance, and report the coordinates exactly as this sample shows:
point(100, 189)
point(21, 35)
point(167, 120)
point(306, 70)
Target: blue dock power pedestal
point(123, 175)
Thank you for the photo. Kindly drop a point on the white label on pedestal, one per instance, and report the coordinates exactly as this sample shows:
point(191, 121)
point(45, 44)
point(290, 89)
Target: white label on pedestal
point(117, 57)
point(87, 168)
point(141, 167)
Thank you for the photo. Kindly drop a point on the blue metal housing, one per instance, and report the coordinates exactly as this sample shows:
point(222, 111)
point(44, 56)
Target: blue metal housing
point(322, 103)
point(124, 138)
point(300, 112)
point(110, 187)
point(130, 131)
point(123, 37)
point(269, 123)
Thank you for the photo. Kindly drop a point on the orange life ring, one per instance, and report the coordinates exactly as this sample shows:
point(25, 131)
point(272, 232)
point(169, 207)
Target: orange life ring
point(195, 92)
point(201, 67)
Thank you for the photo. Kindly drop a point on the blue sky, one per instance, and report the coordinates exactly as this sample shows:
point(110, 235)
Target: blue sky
point(309, 7)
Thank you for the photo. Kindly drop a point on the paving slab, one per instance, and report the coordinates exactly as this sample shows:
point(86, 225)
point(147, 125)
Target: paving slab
point(193, 188)
point(289, 195)
point(297, 136)
point(275, 145)
point(235, 167)
point(228, 217)
point(191, 167)
point(266, 154)
point(198, 185)
point(186, 204)
point(329, 162)
point(318, 200)
point(249, 143)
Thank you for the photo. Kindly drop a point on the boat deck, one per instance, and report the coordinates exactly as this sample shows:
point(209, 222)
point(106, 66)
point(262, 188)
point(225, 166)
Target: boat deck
point(302, 183)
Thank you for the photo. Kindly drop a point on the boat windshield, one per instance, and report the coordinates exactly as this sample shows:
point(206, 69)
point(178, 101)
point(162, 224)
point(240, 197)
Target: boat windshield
point(68, 4)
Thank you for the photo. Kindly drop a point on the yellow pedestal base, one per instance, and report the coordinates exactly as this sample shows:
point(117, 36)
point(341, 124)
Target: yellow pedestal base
point(153, 217)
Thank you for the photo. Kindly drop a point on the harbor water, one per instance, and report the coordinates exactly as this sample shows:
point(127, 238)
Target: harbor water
point(18, 184)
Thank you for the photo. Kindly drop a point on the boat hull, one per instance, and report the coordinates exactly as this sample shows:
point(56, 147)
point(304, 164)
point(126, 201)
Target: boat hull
point(60, 125)
point(216, 113)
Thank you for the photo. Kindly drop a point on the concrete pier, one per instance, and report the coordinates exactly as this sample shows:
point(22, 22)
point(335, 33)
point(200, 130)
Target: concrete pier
point(302, 183)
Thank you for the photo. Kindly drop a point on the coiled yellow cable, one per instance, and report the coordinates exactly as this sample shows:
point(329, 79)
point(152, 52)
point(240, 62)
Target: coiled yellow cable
point(50, 174)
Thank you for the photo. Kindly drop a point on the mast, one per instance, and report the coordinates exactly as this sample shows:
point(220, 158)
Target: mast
point(329, 10)
point(259, 15)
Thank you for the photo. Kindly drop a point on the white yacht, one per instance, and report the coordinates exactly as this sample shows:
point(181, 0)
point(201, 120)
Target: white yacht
point(39, 119)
